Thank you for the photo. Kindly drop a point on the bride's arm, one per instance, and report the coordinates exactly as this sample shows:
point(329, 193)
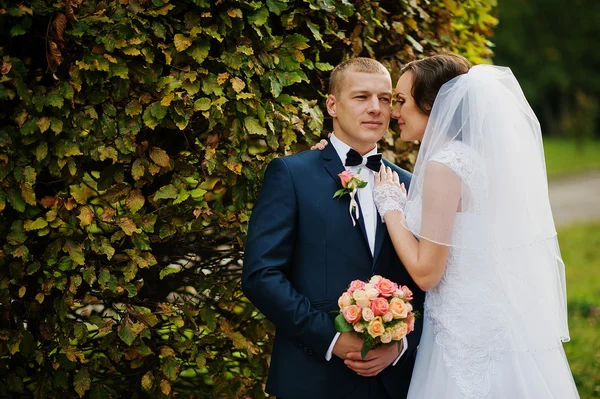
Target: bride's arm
point(425, 260)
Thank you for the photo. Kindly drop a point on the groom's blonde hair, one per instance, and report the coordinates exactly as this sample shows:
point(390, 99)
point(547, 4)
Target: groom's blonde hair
point(358, 64)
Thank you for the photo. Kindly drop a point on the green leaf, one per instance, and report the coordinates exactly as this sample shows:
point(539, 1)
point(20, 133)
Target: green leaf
point(56, 125)
point(17, 30)
point(133, 108)
point(41, 151)
point(38, 224)
point(16, 200)
point(138, 169)
point(253, 126)
point(126, 333)
point(160, 157)
point(82, 381)
point(209, 317)
point(166, 192)
point(259, 17)
point(170, 368)
point(75, 252)
point(277, 6)
point(341, 325)
point(135, 201)
point(202, 104)
point(367, 345)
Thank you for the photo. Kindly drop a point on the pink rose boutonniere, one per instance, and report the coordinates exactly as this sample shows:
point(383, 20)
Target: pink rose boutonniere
point(350, 183)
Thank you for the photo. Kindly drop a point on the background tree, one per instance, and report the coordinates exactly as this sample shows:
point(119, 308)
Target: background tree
point(133, 138)
point(549, 44)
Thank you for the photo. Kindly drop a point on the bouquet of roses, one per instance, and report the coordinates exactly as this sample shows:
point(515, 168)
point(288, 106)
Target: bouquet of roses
point(380, 310)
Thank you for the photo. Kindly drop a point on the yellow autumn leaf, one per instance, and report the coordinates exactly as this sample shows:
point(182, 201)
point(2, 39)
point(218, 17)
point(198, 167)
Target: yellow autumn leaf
point(222, 78)
point(166, 100)
point(131, 51)
point(165, 387)
point(245, 96)
point(110, 58)
point(22, 291)
point(128, 226)
point(181, 42)
point(234, 167)
point(43, 124)
point(234, 13)
point(147, 381)
point(86, 215)
point(163, 10)
point(238, 84)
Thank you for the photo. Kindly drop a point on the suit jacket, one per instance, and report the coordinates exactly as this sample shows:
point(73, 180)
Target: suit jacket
point(301, 254)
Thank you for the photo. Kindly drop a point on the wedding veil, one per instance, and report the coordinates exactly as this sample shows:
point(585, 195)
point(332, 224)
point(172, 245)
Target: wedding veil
point(483, 129)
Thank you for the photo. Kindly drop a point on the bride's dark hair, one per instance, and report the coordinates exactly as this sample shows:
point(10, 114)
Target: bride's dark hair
point(429, 74)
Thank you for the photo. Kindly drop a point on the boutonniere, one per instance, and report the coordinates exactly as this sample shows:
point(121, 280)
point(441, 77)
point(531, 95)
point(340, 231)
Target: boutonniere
point(350, 183)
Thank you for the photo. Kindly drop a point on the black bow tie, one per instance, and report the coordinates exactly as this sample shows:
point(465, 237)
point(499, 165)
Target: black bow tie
point(353, 158)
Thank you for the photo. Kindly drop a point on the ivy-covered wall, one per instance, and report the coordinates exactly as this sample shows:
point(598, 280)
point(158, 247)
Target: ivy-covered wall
point(133, 138)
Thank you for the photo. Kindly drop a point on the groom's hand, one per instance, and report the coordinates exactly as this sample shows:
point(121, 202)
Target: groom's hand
point(375, 362)
point(346, 343)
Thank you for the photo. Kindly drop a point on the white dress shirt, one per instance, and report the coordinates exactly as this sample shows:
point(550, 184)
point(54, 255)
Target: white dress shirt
point(368, 212)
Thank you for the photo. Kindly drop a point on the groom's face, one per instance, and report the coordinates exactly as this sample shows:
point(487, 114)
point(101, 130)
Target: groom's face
point(361, 109)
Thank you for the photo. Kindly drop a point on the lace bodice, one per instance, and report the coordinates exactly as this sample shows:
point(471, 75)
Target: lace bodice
point(464, 310)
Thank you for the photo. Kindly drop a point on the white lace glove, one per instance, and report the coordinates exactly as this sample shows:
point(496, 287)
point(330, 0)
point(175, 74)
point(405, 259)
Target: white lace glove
point(389, 197)
point(388, 194)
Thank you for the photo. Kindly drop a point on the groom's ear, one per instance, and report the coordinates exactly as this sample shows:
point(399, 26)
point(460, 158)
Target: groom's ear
point(331, 106)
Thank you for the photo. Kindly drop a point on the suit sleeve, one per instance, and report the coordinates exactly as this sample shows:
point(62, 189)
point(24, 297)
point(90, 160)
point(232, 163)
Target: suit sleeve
point(268, 264)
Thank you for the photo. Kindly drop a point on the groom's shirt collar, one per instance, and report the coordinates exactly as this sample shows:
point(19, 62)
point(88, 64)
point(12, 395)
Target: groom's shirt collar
point(342, 149)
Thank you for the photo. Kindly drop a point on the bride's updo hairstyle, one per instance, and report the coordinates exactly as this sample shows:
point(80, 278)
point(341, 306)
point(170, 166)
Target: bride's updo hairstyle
point(429, 74)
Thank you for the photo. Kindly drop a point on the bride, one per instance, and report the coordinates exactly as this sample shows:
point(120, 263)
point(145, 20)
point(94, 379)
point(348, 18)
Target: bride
point(476, 231)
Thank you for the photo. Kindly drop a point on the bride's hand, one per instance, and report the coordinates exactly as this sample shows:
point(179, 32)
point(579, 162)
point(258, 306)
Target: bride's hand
point(389, 194)
point(387, 176)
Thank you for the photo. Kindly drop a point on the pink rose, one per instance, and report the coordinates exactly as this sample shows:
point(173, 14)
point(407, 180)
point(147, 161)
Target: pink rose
point(367, 314)
point(407, 292)
point(399, 308)
point(345, 177)
point(386, 287)
point(345, 300)
point(380, 306)
point(355, 285)
point(352, 313)
point(410, 321)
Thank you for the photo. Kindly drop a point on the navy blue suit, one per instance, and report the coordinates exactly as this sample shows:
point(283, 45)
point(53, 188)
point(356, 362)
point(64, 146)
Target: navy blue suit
point(301, 253)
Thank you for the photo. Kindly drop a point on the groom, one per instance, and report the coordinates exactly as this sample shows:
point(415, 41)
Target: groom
point(303, 251)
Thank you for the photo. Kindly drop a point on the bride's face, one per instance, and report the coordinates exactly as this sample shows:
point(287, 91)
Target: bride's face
point(411, 120)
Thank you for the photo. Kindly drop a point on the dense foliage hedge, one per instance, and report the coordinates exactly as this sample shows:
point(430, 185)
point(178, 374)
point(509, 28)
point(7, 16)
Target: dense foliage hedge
point(133, 137)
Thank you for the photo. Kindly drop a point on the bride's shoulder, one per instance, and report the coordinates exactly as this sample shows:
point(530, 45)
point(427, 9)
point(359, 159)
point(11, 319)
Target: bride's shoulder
point(459, 157)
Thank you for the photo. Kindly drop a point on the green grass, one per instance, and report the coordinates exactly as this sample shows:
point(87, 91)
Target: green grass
point(580, 246)
point(563, 157)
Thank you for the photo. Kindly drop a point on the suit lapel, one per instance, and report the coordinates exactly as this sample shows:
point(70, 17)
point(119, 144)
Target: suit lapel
point(334, 166)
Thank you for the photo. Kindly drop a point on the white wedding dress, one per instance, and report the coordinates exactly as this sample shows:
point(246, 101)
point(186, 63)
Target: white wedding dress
point(469, 346)
point(495, 323)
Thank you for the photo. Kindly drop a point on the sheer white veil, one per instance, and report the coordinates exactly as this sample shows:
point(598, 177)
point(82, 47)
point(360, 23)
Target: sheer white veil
point(483, 129)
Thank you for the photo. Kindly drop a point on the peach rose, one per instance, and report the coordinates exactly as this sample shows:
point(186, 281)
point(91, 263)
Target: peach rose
point(410, 321)
point(345, 177)
point(375, 279)
point(380, 306)
point(376, 328)
point(359, 327)
point(359, 294)
point(399, 308)
point(367, 314)
point(355, 285)
point(386, 287)
point(407, 292)
point(389, 316)
point(399, 331)
point(352, 313)
point(386, 337)
point(345, 300)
